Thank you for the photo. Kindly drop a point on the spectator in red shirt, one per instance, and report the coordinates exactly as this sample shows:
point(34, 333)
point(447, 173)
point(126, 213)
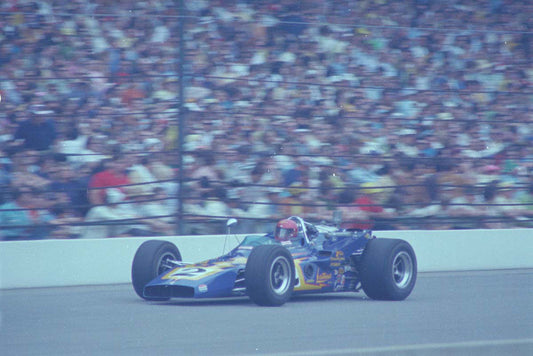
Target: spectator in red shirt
point(367, 206)
point(113, 175)
point(352, 216)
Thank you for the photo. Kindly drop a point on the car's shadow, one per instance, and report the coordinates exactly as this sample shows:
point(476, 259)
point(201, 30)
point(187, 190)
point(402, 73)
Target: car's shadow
point(310, 298)
point(244, 301)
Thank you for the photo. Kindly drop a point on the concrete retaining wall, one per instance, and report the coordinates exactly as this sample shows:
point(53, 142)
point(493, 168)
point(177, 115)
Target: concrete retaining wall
point(25, 264)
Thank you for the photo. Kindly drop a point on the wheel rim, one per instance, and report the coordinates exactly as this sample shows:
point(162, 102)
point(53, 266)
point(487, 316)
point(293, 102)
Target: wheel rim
point(402, 269)
point(280, 275)
point(164, 263)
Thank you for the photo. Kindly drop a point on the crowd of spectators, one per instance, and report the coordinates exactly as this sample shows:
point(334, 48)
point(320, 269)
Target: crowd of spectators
point(397, 114)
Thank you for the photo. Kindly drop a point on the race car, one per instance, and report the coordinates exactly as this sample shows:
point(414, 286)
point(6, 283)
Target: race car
point(297, 257)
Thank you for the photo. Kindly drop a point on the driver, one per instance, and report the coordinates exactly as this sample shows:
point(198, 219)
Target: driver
point(286, 230)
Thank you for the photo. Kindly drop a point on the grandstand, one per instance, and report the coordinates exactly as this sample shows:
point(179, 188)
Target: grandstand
point(391, 114)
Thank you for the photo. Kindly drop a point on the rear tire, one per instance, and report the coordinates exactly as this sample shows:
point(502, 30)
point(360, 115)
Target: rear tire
point(150, 261)
point(388, 269)
point(270, 275)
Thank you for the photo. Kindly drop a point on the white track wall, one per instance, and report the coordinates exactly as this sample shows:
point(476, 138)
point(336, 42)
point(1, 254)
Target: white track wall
point(47, 263)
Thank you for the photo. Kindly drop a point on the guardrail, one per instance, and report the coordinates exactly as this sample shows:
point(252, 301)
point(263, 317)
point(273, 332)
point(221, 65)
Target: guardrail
point(47, 263)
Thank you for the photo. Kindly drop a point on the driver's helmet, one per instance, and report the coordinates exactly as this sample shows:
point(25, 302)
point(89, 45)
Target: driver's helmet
point(286, 230)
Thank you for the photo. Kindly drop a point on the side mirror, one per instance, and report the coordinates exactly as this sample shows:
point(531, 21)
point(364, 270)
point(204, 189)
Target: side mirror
point(231, 222)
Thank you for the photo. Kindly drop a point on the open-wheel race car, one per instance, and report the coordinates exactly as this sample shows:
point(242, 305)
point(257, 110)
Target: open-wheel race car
point(298, 257)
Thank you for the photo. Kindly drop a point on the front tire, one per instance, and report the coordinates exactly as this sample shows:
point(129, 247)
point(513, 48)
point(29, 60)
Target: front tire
point(151, 260)
point(388, 269)
point(270, 275)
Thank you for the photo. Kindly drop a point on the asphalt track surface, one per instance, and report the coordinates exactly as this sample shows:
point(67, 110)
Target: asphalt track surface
point(459, 313)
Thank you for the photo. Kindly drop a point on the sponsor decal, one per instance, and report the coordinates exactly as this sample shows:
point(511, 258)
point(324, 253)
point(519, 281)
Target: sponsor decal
point(201, 270)
point(190, 273)
point(339, 280)
point(323, 277)
point(337, 259)
point(202, 288)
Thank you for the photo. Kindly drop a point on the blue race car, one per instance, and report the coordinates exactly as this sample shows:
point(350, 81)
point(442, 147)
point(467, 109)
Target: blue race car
point(298, 257)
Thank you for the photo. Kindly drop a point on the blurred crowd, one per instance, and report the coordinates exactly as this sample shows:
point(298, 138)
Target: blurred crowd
point(385, 114)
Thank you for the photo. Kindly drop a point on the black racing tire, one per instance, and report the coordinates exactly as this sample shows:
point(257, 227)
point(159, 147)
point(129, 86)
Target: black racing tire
point(269, 275)
point(388, 269)
point(150, 261)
